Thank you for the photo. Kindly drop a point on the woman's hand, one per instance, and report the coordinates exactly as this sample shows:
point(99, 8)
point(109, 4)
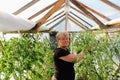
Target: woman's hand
point(80, 56)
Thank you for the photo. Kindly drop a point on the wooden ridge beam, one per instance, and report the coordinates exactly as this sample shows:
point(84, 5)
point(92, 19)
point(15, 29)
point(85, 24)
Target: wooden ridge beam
point(77, 4)
point(66, 13)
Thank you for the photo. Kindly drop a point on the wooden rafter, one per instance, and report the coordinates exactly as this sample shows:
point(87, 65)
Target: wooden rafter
point(41, 11)
point(26, 6)
point(44, 18)
point(55, 19)
point(78, 11)
point(56, 24)
point(81, 19)
point(77, 4)
point(55, 16)
point(76, 22)
point(111, 4)
point(95, 12)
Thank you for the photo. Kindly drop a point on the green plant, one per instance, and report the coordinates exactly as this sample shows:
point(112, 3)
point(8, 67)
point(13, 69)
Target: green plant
point(26, 58)
point(99, 63)
point(30, 57)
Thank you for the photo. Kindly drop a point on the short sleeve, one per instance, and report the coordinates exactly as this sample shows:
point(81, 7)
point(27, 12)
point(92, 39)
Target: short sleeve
point(61, 52)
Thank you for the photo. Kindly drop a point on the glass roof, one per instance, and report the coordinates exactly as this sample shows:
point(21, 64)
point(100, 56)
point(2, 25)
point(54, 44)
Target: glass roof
point(68, 17)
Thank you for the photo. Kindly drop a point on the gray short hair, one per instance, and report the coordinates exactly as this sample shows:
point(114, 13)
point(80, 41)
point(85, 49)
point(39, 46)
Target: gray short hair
point(61, 34)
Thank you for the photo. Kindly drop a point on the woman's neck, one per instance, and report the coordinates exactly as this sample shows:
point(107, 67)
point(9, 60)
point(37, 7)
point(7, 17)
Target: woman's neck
point(63, 47)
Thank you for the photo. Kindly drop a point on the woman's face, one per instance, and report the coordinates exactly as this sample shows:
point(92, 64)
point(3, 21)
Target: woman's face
point(63, 42)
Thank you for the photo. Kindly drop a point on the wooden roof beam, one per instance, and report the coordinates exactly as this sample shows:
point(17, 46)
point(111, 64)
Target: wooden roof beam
point(56, 24)
point(81, 19)
point(41, 11)
point(55, 19)
point(78, 11)
point(95, 12)
point(55, 16)
point(52, 11)
point(77, 23)
point(111, 4)
point(26, 6)
point(77, 4)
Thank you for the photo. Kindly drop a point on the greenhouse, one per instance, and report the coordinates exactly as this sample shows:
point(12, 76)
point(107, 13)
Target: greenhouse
point(28, 38)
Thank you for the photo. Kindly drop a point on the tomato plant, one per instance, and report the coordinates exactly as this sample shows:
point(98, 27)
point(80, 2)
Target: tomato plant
point(99, 63)
point(26, 58)
point(30, 57)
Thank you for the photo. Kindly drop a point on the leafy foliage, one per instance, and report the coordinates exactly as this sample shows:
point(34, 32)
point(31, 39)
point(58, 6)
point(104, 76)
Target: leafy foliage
point(100, 62)
point(26, 58)
point(30, 57)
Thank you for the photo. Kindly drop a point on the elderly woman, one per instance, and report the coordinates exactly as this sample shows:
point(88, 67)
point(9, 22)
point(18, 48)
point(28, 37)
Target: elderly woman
point(63, 59)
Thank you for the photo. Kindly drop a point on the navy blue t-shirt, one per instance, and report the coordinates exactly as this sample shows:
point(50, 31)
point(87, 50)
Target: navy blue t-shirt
point(63, 70)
